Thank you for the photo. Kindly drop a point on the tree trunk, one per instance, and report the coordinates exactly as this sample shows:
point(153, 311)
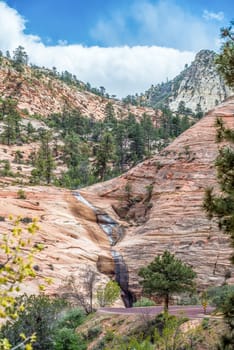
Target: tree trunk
point(166, 302)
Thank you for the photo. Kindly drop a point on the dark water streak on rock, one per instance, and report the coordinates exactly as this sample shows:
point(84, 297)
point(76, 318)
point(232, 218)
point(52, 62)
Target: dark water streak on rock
point(114, 232)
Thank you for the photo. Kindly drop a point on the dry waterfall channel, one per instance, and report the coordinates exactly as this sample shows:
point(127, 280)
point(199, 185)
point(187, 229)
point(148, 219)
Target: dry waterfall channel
point(114, 232)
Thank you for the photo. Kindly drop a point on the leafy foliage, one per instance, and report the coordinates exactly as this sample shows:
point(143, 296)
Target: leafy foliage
point(67, 339)
point(17, 253)
point(38, 316)
point(143, 301)
point(17, 257)
point(218, 295)
point(72, 319)
point(109, 294)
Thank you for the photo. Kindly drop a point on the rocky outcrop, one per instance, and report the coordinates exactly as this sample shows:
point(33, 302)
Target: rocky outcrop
point(177, 179)
point(199, 86)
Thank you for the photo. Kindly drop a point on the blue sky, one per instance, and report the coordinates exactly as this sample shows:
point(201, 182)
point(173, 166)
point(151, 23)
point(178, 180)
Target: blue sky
point(125, 45)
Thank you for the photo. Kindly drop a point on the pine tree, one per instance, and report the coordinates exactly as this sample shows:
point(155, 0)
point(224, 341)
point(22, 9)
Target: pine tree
point(44, 163)
point(225, 60)
point(166, 275)
point(121, 144)
point(11, 119)
point(20, 56)
point(148, 132)
point(104, 155)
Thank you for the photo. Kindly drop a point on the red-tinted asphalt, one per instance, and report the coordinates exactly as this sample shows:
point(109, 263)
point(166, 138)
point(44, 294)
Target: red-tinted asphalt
point(194, 311)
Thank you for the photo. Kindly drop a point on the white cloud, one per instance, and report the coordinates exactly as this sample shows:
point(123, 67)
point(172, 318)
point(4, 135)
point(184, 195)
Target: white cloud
point(122, 70)
point(218, 16)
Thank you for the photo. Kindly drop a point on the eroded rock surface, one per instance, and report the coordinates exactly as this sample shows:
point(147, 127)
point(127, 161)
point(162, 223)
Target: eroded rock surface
point(71, 237)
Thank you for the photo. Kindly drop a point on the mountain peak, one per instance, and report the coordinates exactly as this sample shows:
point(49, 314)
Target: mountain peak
point(204, 54)
point(197, 86)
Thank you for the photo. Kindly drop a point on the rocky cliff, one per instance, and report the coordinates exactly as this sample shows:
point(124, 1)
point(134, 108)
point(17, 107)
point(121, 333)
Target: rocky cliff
point(198, 86)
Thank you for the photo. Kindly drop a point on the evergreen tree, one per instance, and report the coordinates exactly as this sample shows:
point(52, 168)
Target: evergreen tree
point(44, 163)
point(225, 60)
point(148, 132)
point(121, 145)
point(198, 111)
point(71, 149)
point(20, 58)
point(110, 119)
point(11, 119)
point(104, 155)
point(166, 275)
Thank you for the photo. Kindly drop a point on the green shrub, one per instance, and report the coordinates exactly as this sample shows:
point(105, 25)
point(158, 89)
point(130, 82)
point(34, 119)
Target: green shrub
point(21, 194)
point(205, 323)
point(132, 344)
point(189, 300)
point(39, 316)
point(109, 336)
point(144, 302)
point(217, 296)
point(101, 345)
point(72, 319)
point(67, 339)
point(109, 294)
point(26, 220)
point(94, 332)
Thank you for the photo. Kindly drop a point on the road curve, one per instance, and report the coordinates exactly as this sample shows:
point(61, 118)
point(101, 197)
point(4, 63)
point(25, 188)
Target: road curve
point(194, 311)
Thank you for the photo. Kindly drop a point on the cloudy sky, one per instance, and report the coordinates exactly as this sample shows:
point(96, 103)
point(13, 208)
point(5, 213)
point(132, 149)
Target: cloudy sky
point(124, 45)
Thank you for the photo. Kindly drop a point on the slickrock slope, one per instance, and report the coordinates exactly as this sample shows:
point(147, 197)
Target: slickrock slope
point(72, 240)
point(43, 94)
point(162, 202)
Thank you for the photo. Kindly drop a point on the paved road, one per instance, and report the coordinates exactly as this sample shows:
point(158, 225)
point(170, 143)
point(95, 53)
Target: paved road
point(194, 311)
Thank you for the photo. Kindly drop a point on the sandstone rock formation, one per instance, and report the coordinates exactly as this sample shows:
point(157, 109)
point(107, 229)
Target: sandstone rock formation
point(198, 84)
point(175, 220)
point(72, 239)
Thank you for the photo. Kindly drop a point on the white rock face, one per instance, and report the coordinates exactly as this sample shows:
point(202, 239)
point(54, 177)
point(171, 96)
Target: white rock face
point(201, 84)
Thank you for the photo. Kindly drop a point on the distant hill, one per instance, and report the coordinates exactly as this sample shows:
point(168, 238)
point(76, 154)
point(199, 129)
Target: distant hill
point(43, 91)
point(199, 87)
